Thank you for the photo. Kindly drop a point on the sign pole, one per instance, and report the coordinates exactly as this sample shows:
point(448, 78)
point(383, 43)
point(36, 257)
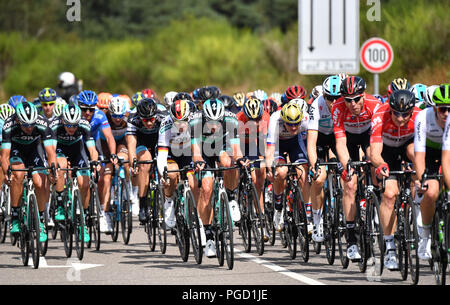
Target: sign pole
point(375, 83)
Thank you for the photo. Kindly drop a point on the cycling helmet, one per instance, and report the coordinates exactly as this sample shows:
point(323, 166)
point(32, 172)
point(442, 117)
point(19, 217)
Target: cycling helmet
point(429, 95)
point(419, 91)
point(137, 97)
point(353, 85)
point(215, 91)
point(127, 100)
point(284, 99)
point(239, 98)
point(402, 100)
point(66, 79)
point(253, 109)
point(332, 86)
point(277, 97)
point(206, 93)
point(182, 96)
point(73, 100)
point(260, 94)
point(342, 76)
point(180, 110)
point(26, 113)
point(270, 105)
point(60, 103)
point(291, 113)
point(213, 110)
point(104, 99)
point(295, 91)
point(71, 114)
point(441, 96)
point(149, 93)
point(146, 108)
point(302, 103)
point(227, 100)
point(317, 91)
point(6, 110)
point(117, 106)
point(168, 97)
point(399, 84)
point(16, 100)
point(87, 97)
point(47, 95)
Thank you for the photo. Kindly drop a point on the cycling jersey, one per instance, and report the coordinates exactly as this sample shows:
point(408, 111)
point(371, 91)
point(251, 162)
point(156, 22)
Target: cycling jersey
point(428, 134)
point(320, 116)
point(98, 122)
point(344, 121)
point(118, 131)
point(446, 136)
point(250, 130)
point(278, 132)
point(385, 131)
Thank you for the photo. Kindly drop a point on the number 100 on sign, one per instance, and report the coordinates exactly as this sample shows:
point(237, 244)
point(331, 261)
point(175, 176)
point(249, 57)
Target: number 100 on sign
point(376, 55)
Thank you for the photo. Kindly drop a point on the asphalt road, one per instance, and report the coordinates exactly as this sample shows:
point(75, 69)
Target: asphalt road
point(118, 264)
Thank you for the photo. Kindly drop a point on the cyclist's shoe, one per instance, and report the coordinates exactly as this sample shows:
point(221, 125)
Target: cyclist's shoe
point(266, 235)
point(108, 222)
point(85, 235)
point(424, 251)
point(169, 213)
point(43, 235)
point(60, 214)
point(15, 226)
point(277, 220)
point(103, 224)
point(50, 223)
point(317, 234)
point(353, 254)
point(390, 260)
point(235, 213)
point(143, 215)
point(210, 248)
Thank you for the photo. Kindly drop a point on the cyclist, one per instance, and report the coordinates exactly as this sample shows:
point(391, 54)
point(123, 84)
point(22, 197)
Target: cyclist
point(270, 105)
point(168, 98)
point(293, 92)
point(16, 100)
point(320, 137)
point(59, 104)
point(252, 132)
point(285, 137)
point(276, 97)
point(174, 152)
point(391, 142)
point(6, 110)
point(352, 114)
point(419, 90)
point(149, 93)
point(103, 100)
point(214, 139)
point(142, 137)
point(239, 98)
point(47, 98)
point(67, 85)
point(446, 154)
point(429, 130)
point(23, 135)
point(229, 103)
point(73, 134)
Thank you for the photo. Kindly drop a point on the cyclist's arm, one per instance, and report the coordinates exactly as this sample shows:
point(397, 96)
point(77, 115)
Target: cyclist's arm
point(420, 138)
point(376, 149)
point(107, 132)
point(51, 154)
point(131, 144)
point(196, 152)
point(93, 153)
point(270, 154)
point(342, 151)
point(5, 159)
point(446, 167)
point(311, 142)
point(161, 159)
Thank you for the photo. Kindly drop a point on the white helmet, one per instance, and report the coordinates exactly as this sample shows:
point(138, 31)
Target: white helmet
point(342, 76)
point(277, 97)
point(117, 106)
point(317, 91)
point(260, 94)
point(301, 103)
point(429, 95)
point(71, 114)
point(66, 79)
point(6, 110)
point(168, 97)
point(59, 104)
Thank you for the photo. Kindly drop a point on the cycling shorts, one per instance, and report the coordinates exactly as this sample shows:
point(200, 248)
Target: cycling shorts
point(76, 155)
point(29, 155)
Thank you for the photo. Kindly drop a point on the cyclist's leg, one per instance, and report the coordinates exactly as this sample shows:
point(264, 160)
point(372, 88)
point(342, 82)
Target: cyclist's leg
point(143, 154)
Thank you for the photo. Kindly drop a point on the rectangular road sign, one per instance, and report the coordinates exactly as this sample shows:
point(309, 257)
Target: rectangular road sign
point(328, 32)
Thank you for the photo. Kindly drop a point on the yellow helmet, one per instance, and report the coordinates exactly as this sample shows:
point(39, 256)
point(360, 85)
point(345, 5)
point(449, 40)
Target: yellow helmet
point(239, 98)
point(253, 108)
point(291, 113)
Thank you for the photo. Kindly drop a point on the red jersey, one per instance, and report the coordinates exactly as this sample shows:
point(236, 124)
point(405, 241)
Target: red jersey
point(252, 130)
point(345, 121)
point(385, 131)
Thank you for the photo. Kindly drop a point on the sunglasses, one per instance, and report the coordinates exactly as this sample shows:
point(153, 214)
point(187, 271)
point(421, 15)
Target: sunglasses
point(292, 124)
point(148, 120)
point(117, 116)
point(71, 125)
point(24, 125)
point(48, 104)
point(443, 110)
point(355, 99)
point(330, 97)
point(87, 109)
point(401, 114)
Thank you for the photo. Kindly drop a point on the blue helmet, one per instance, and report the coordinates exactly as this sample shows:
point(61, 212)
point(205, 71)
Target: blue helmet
point(87, 97)
point(16, 100)
point(419, 90)
point(332, 86)
point(47, 95)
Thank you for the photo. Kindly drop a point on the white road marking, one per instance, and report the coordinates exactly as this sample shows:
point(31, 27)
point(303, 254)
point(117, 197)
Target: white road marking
point(279, 269)
point(70, 264)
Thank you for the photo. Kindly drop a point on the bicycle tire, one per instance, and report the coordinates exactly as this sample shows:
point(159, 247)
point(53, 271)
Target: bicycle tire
point(79, 224)
point(341, 228)
point(400, 243)
point(94, 214)
point(44, 245)
point(439, 258)
point(4, 224)
point(181, 228)
point(375, 233)
point(226, 224)
point(244, 226)
point(34, 230)
point(256, 221)
point(52, 214)
point(194, 227)
point(362, 242)
point(412, 238)
point(302, 225)
point(115, 212)
point(126, 217)
point(67, 230)
point(289, 227)
point(268, 215)
point(328, 228)
point(160, 220)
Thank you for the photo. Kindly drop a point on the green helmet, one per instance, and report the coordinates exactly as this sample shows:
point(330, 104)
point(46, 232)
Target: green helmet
point(6, 110)
point(27, 113)
point(441, 96)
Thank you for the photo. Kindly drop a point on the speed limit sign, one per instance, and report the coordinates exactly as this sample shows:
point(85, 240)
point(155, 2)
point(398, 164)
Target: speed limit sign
point(376, 55)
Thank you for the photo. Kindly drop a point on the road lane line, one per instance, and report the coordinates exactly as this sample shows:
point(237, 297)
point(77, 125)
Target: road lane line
point(278, 269)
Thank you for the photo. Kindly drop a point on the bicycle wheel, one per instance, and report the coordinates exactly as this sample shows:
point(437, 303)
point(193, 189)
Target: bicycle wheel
point(301, 222)
point(53, 209)
point(289, 228)
point(126, 217)
point(226, 228)
point(78, 224)
point(328, 228)
point(439, 258)
point(66, 228)
point(194, 227)
point(256, 220)
point(115, 212)
point(360, 228)
point(4, 222)
point(374, 233)
point(94, 213)
point(181, 229)
point(400, 243)
point(34, 230)
point(341, 228)
point(24, 243)
point(244, 225)
point(412, 240)
point(268, 214)
point(44, 245)
point(160, 222)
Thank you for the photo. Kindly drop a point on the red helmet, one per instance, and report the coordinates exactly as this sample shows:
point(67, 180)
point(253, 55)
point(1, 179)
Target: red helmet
point(270, 105)
point(149, 93)
point(295, 91)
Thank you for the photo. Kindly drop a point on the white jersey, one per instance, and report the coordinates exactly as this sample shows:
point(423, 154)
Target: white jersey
point(320, 116)
point(173, 137)
point(427, 131)
point(446, 136)
point(278, 132)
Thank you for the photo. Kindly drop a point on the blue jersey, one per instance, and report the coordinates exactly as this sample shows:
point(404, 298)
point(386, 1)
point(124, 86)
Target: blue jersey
point(98, 123)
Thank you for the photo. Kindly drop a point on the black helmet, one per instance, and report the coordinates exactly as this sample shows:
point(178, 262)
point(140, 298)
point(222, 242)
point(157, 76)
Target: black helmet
point(208, 93)
point(402, 100)
point(146, 108)
point(182, 96)
point(227, 100)
point(353, 85)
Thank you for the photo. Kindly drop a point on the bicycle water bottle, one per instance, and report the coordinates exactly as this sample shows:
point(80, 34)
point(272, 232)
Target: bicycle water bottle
point(362, 205)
